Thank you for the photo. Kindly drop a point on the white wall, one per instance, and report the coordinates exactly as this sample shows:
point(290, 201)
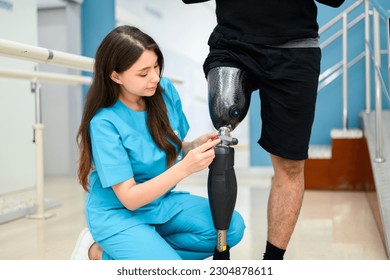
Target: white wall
point(182, 32)
point(59, 29)
point(18, 22)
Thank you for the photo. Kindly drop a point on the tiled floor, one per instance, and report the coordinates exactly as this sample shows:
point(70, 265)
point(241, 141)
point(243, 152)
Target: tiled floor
point(332, 225)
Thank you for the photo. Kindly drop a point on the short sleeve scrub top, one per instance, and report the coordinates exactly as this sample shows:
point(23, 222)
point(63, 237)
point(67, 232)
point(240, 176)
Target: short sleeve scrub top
point(122, 148)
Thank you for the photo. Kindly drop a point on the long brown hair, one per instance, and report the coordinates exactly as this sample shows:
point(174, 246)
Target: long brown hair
point(118, 51)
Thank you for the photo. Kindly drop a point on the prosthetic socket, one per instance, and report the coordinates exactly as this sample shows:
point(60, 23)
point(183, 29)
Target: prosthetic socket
point(229, 98)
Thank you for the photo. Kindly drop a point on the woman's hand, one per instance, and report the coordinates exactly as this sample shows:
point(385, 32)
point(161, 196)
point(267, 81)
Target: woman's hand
point(133, 195)
point(203, 139)
point(188, 146)
point(201, 156)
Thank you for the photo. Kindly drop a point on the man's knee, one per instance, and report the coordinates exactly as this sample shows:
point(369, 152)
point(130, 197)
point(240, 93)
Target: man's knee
point(293, 169)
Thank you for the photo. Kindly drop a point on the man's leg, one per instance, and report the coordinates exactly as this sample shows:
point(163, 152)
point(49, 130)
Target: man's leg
point(284, 204)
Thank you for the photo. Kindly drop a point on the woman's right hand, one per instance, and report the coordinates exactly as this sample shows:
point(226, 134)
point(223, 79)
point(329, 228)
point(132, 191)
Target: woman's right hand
point(199, 158)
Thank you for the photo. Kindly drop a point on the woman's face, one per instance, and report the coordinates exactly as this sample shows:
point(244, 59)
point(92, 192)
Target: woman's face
point(141, 79)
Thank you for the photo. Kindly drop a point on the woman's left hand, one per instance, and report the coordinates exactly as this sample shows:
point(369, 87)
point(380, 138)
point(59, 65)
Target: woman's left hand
point(203, 139)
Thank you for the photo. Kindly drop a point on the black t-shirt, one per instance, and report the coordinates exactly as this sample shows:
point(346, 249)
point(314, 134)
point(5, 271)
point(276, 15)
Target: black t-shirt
point(268, 22)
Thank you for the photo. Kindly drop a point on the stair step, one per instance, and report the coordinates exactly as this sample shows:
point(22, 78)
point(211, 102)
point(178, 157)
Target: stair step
point(320, 151)
point(325, 151)
point(346, 133)
point(345, 165)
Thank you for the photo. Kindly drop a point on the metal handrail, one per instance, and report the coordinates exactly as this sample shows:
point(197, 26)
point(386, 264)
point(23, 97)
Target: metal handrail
point(340, 32)
point(340, 16)
point(382, 11)
point(341, 68)
point(332, 73)
point(377, 9)
point(326, 80)
point(380, 76)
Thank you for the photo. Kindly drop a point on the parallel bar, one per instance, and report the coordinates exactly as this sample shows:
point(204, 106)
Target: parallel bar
point(47, 56)
point(45, 76)
point(43, 55)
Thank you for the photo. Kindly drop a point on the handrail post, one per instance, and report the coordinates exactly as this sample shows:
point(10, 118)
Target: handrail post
point(388, 50)
point(345, 71)
point(378, 89)
point(367, 54)
point(38, 141)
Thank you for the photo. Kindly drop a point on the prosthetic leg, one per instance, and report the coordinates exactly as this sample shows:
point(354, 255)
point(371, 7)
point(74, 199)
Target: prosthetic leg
point(229, 98)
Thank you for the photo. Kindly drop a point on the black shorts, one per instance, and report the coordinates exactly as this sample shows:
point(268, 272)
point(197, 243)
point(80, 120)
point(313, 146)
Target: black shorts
point(287, 80)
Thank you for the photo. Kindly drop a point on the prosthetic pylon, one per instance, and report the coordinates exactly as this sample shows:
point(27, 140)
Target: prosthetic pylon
point(222, 190)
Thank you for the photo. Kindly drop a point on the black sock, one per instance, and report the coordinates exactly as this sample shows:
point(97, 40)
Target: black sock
point(224, 255)
point(273, 253)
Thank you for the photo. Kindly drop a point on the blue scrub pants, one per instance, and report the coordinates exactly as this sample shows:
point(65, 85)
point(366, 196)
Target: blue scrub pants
point(189, 235)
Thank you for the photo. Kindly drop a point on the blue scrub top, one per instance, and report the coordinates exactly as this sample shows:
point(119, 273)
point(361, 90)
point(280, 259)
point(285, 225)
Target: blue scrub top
point(123, 148)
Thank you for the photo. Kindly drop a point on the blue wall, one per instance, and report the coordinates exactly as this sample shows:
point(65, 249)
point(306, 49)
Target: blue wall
point(97, 20)
point(329, 101)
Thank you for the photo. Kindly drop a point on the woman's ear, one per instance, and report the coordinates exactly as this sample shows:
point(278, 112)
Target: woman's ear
point(115, 77)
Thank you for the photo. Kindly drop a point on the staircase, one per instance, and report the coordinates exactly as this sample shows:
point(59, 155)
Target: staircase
point(359, 160)
point(346, 166)
point(350, 165)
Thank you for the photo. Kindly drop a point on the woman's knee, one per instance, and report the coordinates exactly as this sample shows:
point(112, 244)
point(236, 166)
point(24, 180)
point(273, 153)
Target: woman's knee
point(141, 242)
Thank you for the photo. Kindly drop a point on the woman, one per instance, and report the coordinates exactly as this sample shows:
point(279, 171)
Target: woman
point(132, 155)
